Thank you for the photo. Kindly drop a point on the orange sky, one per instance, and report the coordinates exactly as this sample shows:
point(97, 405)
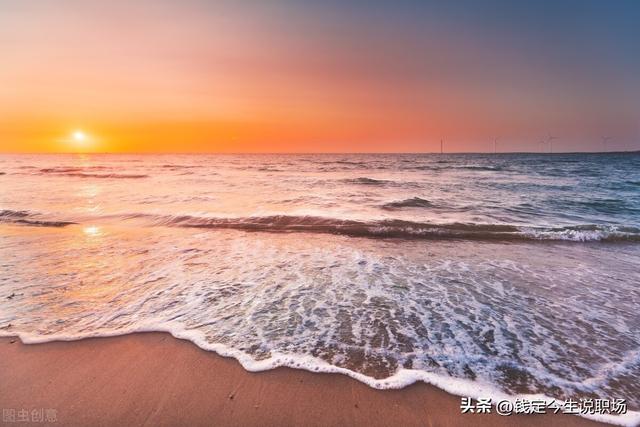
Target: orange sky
point(277, 76)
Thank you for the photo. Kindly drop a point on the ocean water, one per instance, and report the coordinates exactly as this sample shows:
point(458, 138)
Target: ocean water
point(504, 275)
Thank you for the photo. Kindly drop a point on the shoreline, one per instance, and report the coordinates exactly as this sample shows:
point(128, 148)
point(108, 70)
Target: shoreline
point(153, 378)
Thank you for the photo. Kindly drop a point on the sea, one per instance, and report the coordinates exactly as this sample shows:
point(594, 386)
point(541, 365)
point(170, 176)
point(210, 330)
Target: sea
point(487, 275)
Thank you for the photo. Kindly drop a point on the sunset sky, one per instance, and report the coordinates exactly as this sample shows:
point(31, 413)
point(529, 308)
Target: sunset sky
point(303, 76)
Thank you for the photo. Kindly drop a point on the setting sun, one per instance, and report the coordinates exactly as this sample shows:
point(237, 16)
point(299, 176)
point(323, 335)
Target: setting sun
point(79, 136)
point(80, 141)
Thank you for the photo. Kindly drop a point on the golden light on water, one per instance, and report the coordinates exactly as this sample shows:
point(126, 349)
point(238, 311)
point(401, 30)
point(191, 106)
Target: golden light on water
point(91, 231)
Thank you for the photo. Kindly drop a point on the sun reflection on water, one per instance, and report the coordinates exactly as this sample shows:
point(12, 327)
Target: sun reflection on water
point(92, 231)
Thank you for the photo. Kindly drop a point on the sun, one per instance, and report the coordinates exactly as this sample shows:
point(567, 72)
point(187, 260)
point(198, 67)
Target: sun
point(79, 136)
point(79, 141)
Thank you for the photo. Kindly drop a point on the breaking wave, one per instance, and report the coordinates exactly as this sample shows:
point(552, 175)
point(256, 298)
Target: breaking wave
point(395, 228)
point(383, 228)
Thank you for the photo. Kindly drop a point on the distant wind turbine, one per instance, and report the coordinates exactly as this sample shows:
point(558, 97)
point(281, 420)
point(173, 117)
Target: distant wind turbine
point(441, 147)
point(549, 140)
point(542, 144)
point(495, 143)
point(605, 142)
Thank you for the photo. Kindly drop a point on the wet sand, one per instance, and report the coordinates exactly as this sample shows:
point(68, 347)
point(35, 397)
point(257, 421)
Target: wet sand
point(155, 379)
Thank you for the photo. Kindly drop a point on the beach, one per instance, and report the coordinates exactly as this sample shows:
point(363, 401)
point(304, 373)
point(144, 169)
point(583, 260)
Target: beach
point(155, 379)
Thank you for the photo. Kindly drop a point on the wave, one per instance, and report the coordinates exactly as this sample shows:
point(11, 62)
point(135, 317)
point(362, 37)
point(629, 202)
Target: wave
point(436, 166)
point(373, 182)
point(268, 169)
point(24, 218)
point(481, 168)
point(99, 175)
point(81, 173)
point(175, 167)
point(394, 228)
point(414, 202)
point(339, 162)
point(62, 169)
point(387, 228)
point(384, 228)
point(366, 181)
point(108, 175)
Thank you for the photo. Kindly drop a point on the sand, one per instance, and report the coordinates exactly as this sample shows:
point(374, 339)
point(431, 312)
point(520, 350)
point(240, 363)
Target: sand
point(155, 379)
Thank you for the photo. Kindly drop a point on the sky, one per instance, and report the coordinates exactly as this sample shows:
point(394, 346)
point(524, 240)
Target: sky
point(318, 76)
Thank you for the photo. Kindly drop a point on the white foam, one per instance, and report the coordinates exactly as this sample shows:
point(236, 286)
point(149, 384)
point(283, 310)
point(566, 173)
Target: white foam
point(401, 379)
point(450, 311)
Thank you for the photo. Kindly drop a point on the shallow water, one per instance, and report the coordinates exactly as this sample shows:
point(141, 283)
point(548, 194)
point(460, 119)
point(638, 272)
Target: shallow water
point(516, 272)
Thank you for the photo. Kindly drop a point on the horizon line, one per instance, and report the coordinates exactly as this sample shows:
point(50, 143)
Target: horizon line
point(305, 152)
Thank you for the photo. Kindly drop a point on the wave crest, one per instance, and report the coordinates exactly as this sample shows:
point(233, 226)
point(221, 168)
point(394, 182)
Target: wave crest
point(395, 228)
point(384, 228)
point(26, 218)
